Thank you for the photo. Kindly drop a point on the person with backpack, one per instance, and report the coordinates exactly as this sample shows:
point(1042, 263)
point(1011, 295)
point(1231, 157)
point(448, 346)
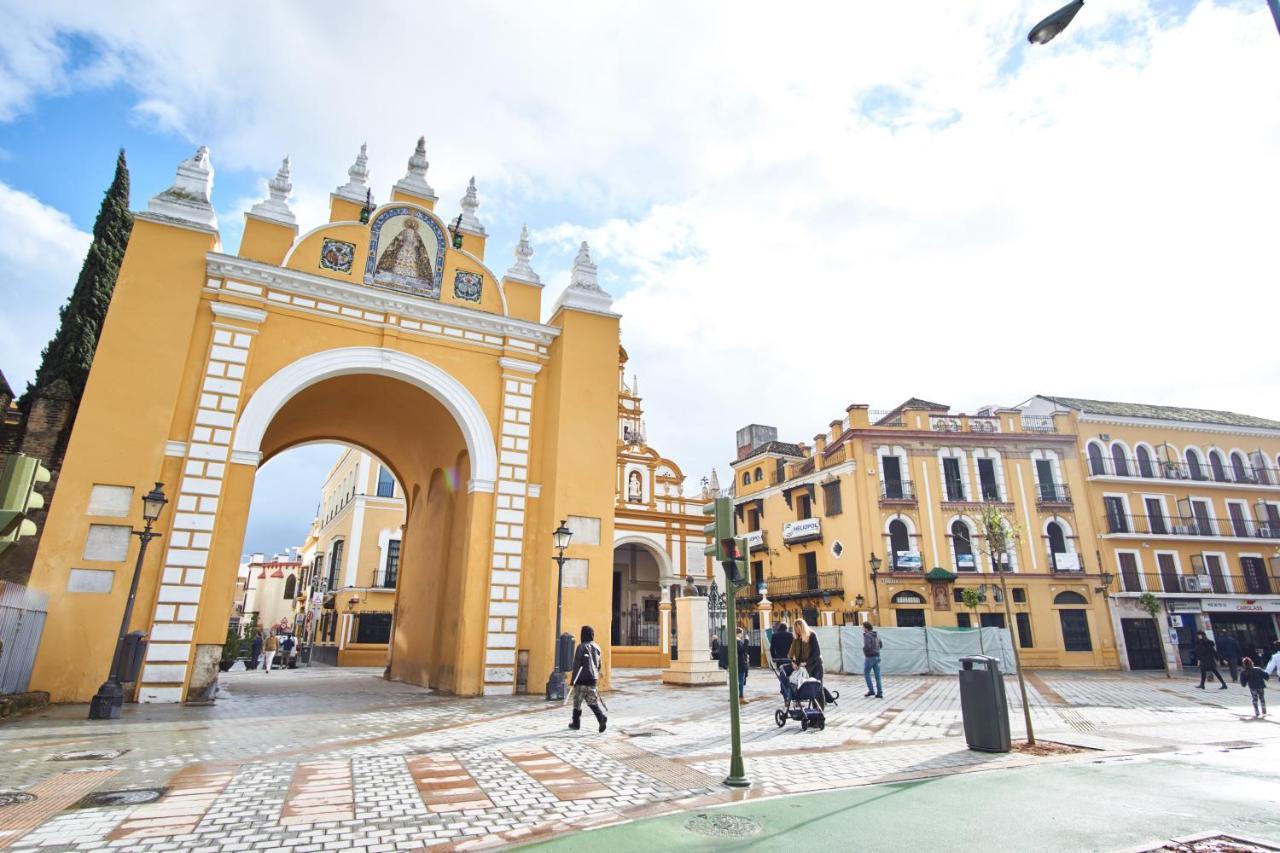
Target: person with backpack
point(585, 676)
point(1255, 678)
point(1207, 657)
point(871, 646)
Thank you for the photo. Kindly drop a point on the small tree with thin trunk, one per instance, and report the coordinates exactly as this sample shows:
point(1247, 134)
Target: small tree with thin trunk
point(1000, 533)
point(969, 596)
point(1151, 604)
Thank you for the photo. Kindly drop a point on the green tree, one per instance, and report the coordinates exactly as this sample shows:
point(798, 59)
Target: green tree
point(70, 354)
point(1001, 534)
point(969, 596)
point(1151, 604)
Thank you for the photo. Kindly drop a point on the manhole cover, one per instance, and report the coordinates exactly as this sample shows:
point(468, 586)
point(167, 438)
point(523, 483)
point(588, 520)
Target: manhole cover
point(135, 797)
point(89, 755)
point(15, 798)
point(723, 826)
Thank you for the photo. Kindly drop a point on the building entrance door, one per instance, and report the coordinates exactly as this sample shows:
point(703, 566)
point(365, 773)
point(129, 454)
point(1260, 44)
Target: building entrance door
point(1254, 631)
point(1142, 642)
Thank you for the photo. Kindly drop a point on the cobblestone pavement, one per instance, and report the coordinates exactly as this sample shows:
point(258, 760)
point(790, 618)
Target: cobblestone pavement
point(325, 759)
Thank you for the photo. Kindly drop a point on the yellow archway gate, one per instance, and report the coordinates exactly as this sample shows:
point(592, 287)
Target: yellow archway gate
point(383, 328)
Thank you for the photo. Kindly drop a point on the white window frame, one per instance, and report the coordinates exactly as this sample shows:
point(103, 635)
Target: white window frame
point(1213, 518)
point(962, 457)
point(1226, 568)
point(1177, 564)
point(1248, 517)
point(1128, 511)
point(1169, 521)
point(1157, 467)
point(997, 464)
point(1137, 559)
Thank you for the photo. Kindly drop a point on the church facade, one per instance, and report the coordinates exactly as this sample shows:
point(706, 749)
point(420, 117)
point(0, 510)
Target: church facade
point(384, 329)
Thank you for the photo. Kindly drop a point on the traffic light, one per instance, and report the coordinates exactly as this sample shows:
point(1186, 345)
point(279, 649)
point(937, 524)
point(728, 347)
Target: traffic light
point(720, 529)
point(18, 497)
point(735, 561)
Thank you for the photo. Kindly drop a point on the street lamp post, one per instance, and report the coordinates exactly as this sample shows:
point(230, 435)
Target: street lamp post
point(555, 681)
point(875, 563)
point(106, 704)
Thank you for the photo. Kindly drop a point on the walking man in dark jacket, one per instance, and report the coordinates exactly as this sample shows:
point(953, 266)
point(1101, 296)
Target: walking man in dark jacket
point(871, 659)
point(586, 673)
point(1207, 656)
point(780, 643)
point(1230, 651)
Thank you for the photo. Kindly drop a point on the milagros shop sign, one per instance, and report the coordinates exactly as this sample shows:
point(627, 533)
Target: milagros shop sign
point(1240, 605)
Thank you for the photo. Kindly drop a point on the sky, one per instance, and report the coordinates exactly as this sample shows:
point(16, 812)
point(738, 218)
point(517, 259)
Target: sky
point(794, 212)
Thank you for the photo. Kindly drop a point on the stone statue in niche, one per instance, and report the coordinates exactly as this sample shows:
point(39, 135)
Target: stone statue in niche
point(406, 259)
point(635, 490)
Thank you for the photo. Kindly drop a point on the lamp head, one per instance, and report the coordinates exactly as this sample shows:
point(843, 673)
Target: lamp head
point(562, 535)
point(874, 562)
point(153, 501)
point(1044, 32)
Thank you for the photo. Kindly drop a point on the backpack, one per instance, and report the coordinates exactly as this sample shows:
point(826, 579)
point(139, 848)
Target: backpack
point(592, 665)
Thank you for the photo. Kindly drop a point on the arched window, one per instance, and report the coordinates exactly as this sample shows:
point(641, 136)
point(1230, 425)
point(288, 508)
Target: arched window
point(386, 483)
point(899, 540)
point(1057, 538)
point(962, 545)
point(1118, 460)
point(908, 597)
point(1193, 465)
point(1145, 468)
point(759, 475)
point(335, 560)
point(1069, 598)
point(746, 478)
point(1260, 472)
point(290, 587)
point(1239, 469)
point(1096, 465)
point(1215, 465)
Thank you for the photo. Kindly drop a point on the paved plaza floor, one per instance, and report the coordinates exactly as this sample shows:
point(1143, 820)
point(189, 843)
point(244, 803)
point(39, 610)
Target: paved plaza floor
point(329, 759)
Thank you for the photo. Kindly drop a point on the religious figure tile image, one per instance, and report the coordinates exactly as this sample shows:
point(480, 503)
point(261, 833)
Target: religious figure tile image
point(407, 250)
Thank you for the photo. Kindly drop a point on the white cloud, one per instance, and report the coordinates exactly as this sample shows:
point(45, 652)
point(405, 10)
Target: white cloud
point(40, 256)
point(854, 204)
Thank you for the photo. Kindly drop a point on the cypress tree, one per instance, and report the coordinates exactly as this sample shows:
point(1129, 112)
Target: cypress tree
point(70, 354)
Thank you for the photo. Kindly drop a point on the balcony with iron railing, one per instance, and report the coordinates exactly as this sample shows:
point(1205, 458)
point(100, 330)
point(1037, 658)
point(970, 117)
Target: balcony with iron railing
point(1205, 583)
point(1053, 495)
point(1154, 469)
point(1135, 524)
point(897, 493)
point(798, 586)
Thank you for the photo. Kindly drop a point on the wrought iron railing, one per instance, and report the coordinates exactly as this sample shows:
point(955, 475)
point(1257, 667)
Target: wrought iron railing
point(898, 490)
point(1160, 525)
point(1052, 493)
point(1211, 582)
point(1216, 470)
point(631, 629)
point(800, 586)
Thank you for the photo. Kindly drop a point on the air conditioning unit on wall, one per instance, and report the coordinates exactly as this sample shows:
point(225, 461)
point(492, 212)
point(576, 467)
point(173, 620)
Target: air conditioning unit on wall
point(1190, 583)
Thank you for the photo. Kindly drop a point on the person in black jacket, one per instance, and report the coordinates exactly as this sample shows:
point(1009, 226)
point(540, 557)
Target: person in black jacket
point(805, 652)
point(1255, 678)
point(585, 675)
point(744, 663)
point(780, 643)
point(1207, 657)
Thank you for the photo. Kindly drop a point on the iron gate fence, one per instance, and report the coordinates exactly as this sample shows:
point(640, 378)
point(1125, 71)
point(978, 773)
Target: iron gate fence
point(630, 628)
point(22, 615)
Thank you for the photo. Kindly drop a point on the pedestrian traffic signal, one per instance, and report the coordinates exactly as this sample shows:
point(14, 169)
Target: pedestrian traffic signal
point(19, 498)
point(735, 561)
point(720, 529)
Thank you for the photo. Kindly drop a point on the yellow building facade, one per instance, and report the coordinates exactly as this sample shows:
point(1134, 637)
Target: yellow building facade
point(347, 596)
point(900, 491)
point(1186, 505)
point(384, 329)
point(659, 537)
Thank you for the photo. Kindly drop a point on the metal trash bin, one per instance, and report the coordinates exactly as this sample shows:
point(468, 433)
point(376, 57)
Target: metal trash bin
point(132, 653)
point(983, 704)
point(564, 652)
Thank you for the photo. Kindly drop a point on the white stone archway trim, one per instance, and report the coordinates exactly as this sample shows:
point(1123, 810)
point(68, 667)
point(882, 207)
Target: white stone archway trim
point(287, 382)
point(666, 568)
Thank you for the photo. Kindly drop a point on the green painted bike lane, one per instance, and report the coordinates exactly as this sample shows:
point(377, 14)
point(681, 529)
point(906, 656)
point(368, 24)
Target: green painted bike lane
point(1113, 803)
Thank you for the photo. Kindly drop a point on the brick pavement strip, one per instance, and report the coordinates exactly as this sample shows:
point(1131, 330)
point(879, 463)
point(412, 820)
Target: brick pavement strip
point(51, 796)
point(445, 785)
point(388, 766)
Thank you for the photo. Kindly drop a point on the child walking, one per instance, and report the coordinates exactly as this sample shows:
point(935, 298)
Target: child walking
point(1255, 679)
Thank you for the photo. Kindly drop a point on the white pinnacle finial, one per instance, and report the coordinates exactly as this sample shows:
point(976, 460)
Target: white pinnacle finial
point(470, 202)
point(584, 291)
point(414, 181)
point(188, 200)
point(357, 186)
point(714, 485)
point(276, 207)
point(521, 269)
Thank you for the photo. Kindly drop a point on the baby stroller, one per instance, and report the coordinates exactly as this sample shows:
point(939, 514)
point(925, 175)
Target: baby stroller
point(800, 702)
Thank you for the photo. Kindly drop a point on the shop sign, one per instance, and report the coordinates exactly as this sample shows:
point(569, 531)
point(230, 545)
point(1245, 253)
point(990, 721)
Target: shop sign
point(964, 561)
point(796, 531)
point(755, 540)
point(1241, 605)
point(909, 561)
point(1184, 607)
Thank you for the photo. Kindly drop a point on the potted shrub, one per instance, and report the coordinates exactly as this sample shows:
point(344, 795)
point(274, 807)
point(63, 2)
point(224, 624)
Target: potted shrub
point(230, 648)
